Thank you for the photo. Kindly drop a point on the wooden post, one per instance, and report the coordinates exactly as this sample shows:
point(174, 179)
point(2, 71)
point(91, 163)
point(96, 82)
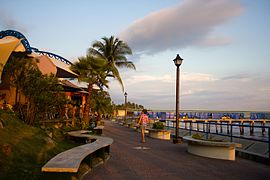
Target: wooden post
point(263, 129)
point(241, 128)
point(228, 131)
point(251, 128)
point(221, 130)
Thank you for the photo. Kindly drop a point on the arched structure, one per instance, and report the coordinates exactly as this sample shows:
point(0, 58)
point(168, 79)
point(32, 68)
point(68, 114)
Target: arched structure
point(30, 49)
point(12, 41)
point(52, 55)
point(18, 35)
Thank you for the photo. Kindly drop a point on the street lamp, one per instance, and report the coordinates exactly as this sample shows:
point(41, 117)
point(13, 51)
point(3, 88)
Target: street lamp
point(177, 61)
point(125, 107)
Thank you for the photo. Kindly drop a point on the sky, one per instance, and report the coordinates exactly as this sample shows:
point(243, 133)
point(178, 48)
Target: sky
point(225, 45)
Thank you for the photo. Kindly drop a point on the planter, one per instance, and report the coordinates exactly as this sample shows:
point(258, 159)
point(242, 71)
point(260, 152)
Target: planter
point(212, 149)
point(160, 134)
point(138, 129)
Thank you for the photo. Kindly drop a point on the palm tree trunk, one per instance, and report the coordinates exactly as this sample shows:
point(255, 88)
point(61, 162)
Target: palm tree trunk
point(98, 118)
point(86, 116)
point(16, 96)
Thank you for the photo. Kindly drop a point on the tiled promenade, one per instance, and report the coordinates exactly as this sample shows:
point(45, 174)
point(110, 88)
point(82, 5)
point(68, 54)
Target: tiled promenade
point(164, 160)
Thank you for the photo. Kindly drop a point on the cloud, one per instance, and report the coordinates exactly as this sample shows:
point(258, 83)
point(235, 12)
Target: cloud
point(168, 78)
point(8, 22)
point(146, 78)
point(214, 41)
point(198, 91)
point(188, 24)
point(198, 77)
point(241, 77)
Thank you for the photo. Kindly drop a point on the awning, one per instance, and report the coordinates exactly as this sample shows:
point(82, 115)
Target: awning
point(63, 69)
point(7, 46)
point(47, 64)
point(69, 84)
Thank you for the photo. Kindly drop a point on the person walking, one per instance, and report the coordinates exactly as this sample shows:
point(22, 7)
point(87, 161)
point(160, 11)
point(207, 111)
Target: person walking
point(143, 120)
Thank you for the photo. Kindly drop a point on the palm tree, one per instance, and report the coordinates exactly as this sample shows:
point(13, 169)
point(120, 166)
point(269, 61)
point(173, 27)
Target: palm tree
point(102, 103)
point(114, 51)
point(92, 71)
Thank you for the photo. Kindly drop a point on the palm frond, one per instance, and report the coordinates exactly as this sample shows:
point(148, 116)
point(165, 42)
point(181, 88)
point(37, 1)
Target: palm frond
point(126, 64)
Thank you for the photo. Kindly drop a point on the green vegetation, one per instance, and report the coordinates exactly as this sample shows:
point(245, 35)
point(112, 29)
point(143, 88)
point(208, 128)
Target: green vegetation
point(115, 52)
point(25, 149)
point(92, 71)
point(158, 125)
point(101, 103)
point(210, 137)
point(130, 105)
point(197, 136)
point(43, 94)
point(101, 63)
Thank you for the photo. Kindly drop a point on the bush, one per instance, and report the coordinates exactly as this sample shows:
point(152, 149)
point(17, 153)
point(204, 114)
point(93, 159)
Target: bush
point(210, 138)
point(158, 125)
point(197, 136)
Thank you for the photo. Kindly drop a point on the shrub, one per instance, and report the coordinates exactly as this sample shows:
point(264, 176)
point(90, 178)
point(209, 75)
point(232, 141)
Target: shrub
point(197, 136)
point(158, 125)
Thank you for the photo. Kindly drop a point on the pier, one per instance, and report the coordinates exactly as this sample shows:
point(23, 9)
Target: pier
point(158, 159)
point(255, 134)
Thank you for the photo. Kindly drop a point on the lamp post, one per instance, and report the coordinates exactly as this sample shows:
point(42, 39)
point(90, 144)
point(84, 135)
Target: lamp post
point(177, 61)
point(125, 94)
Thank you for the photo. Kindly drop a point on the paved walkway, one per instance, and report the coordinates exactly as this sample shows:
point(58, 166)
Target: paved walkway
point(157, 159)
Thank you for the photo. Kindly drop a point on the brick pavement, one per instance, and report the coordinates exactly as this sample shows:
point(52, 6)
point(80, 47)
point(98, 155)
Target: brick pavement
point(165, 160)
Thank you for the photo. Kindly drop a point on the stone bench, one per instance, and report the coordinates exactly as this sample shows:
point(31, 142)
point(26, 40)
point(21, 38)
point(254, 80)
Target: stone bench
point(69, 161)
point(160, 134)
point(211, 149)
point(98, 130)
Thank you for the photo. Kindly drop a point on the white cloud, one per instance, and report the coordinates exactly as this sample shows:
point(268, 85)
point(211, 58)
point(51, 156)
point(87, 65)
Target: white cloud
point(214, 41)
point(168, 78)
point(198, 77)
point(144, 78)
point(197, 91)
point(189, 23)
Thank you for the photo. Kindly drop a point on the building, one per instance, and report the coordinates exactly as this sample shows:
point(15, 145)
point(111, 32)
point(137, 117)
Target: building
point(13, 41)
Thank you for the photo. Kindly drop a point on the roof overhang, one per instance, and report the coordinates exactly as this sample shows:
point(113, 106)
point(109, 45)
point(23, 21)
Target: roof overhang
point(49, 65)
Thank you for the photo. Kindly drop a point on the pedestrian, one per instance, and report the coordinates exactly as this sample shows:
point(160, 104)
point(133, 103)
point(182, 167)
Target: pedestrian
point(143, 120)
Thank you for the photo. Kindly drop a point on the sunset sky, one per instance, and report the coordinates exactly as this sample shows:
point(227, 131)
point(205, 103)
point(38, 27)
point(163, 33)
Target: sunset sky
point(225, 45)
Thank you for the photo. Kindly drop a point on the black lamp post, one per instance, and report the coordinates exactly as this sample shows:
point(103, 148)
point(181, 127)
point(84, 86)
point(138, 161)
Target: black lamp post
point(177, 61)
point(125, 107)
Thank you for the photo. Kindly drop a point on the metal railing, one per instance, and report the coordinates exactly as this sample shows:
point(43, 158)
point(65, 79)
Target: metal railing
point(230, 130)
point(221, 128)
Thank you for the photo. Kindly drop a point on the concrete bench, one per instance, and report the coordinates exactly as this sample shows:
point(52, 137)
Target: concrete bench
point(98, 130)
point(211, 149)
point(70, 160)
point(160, 134)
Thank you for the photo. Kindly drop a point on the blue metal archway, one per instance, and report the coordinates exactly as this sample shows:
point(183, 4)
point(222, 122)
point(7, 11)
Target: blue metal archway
point(17, 35)
point(52, 55)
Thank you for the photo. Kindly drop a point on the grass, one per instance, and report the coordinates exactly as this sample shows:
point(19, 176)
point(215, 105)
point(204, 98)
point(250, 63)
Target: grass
point(25, 149)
